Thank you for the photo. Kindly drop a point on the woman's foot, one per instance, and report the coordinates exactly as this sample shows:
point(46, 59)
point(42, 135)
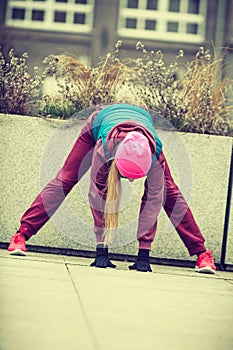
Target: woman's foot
point(205, 263)
point(17, 245)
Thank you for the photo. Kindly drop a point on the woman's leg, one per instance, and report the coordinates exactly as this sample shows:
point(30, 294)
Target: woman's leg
point(51, 197)
point(181, 216)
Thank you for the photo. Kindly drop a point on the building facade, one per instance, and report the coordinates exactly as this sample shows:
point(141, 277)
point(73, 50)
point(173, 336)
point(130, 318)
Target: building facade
point(88, 29)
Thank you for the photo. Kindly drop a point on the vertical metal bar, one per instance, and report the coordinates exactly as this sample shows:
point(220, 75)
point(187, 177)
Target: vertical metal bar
point(220, 25)
point(227, 217)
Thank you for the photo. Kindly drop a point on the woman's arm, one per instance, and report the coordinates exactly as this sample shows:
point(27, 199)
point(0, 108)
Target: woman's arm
point(151, 204)
point(98, 189)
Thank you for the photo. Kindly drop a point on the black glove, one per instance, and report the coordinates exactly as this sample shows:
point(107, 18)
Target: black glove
point(142, 264)
point(102, 259)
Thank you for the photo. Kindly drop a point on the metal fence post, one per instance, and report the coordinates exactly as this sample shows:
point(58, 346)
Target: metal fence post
point(227, 217)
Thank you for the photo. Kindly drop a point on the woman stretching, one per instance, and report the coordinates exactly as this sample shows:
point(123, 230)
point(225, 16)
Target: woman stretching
point(117, 141)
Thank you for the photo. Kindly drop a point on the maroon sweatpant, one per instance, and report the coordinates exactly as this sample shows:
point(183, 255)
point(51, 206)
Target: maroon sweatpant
point(76, 165)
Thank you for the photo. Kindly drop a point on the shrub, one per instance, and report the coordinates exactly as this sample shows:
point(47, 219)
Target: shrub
point(204, 92)
point(56, 106)
point(197, 102)
point(89, 86)
point(18, 88)
point(158, 87)
point(69, 75)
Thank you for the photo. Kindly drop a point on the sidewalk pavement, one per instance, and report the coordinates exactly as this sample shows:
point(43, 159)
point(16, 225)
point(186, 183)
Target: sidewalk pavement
point(52, 302)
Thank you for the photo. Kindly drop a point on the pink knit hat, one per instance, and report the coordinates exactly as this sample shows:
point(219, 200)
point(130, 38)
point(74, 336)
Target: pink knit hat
point(133, 156)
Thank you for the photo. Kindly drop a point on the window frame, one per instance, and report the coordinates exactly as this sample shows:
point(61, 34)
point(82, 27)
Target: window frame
point(162, 16)
point(50, 7)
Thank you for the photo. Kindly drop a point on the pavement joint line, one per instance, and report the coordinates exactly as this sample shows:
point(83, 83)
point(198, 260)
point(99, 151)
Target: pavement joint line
point(192, 273)
point(89, 327)
point(24, 258)
point(228, 281)
point(44, 260)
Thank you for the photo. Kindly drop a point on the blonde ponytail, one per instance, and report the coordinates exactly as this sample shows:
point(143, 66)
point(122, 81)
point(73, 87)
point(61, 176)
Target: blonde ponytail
point(111, 212)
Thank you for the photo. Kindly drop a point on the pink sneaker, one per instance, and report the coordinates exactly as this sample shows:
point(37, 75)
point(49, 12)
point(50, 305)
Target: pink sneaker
point(17, 245)
point(205, 263)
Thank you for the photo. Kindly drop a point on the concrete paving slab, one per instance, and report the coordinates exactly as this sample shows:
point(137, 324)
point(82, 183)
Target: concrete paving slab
point(131, 310)
point(58, 302)
point(39, 307)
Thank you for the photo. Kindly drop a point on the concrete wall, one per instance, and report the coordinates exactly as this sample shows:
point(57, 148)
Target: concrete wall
point(33, 150)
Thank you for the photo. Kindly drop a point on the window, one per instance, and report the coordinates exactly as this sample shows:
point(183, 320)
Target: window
point(131, 23)
point(60, 16)
point(18, 13)
point(37, 15)
point(152, 5)
point(167, 20)
point(64, 15)
point(79, 18)
point(150, 25)
point(132, 4)
point(172, 26)
point(174, 5)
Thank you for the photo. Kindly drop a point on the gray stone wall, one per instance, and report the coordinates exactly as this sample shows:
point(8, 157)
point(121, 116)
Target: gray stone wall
point(34, 149)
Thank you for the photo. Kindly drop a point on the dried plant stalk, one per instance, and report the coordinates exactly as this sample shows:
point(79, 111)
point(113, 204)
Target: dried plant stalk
point(205, 94)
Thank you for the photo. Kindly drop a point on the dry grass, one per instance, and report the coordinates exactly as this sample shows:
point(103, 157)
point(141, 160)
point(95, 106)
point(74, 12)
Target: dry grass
point(90, 85)
point(204, 92)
